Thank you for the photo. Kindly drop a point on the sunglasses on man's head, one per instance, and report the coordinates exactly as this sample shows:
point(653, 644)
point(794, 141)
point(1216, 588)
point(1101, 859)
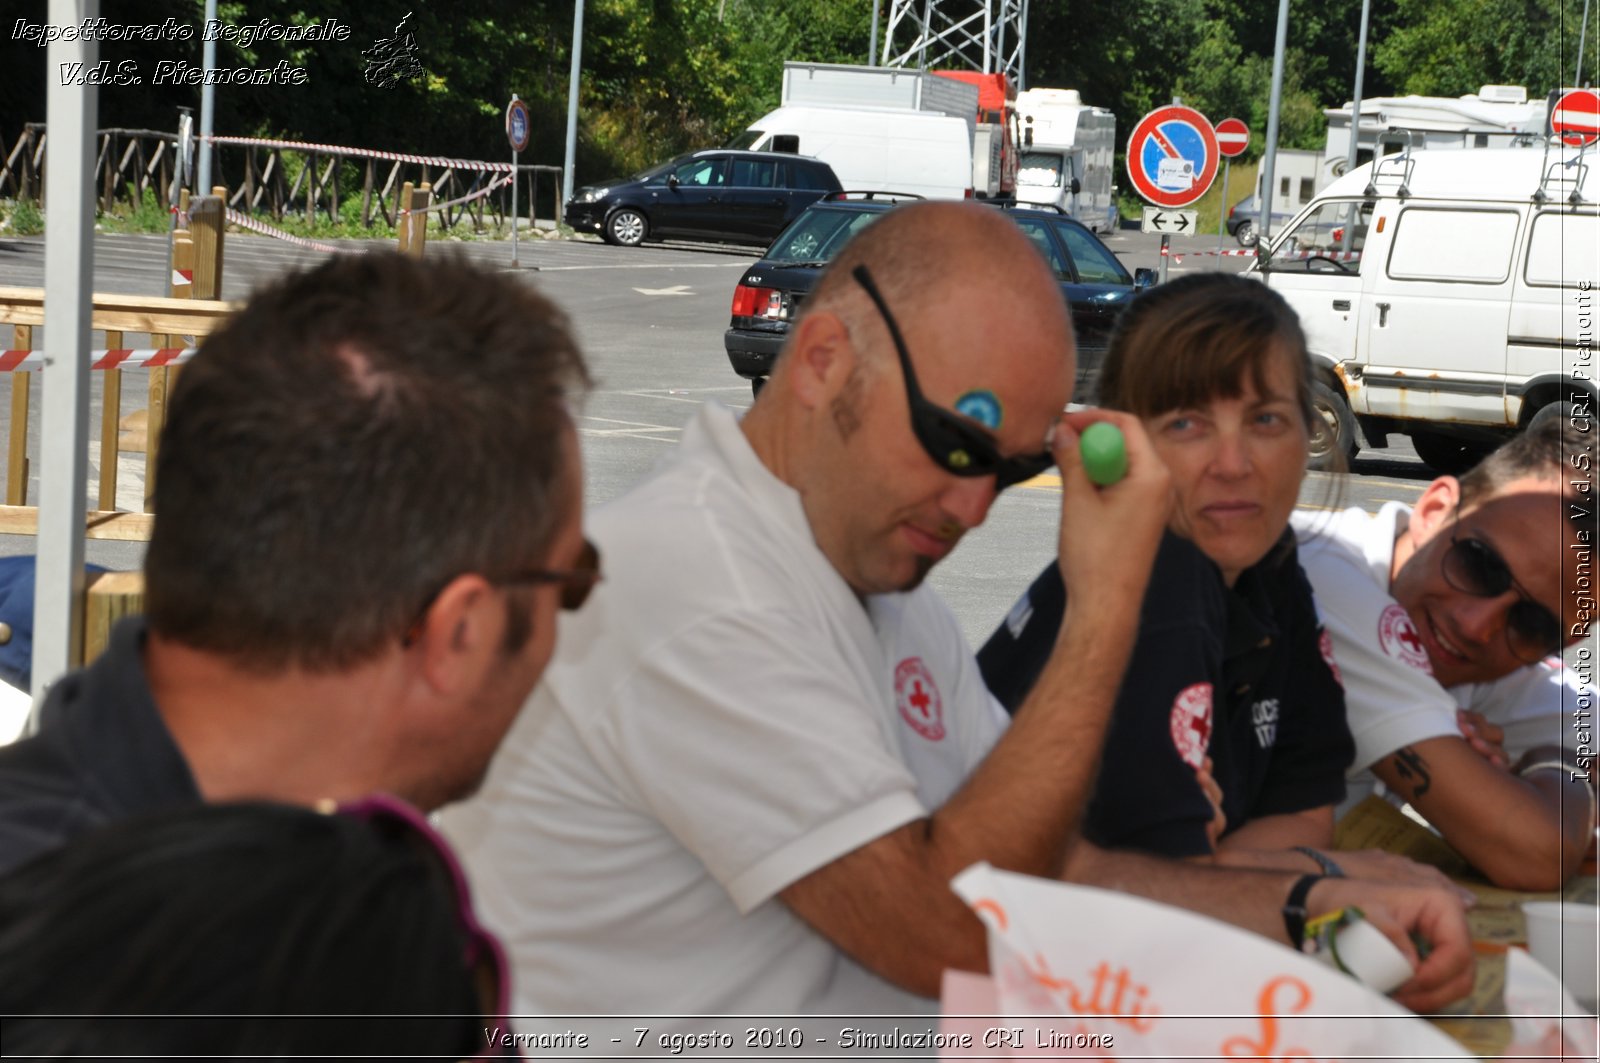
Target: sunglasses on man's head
point(954, 443)
point(1474, 567)
point(482, 955)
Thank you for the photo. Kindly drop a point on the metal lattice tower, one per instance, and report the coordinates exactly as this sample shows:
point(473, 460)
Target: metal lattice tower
point(990, 36)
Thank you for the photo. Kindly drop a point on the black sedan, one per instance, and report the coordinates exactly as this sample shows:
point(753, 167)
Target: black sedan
point(769, 295)
point(744, 197)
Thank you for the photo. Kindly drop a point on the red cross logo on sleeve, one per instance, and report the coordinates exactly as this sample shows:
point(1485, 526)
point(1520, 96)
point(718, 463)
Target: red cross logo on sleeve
point(1190, 723)
point(916, 695)
point(1399, 639)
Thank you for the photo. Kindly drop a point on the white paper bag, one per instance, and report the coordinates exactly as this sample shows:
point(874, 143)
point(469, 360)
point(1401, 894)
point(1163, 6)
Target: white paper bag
point(1083, 973)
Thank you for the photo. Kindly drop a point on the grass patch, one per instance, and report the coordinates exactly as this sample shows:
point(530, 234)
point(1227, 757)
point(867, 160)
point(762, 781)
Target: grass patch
point(22, 218)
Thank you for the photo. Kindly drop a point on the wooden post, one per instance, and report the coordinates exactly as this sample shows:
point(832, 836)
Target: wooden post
point(417, 220)
point(17, 447)
point(110, 425)
point(403, 219)
point(110, 596)
point(206, 229)
point(366, 198)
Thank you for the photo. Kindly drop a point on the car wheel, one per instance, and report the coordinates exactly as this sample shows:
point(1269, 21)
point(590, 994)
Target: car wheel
point(1333, 431)
point(626, 227)
point(1447, 455)
point(1246, 234)
point(1550, 411)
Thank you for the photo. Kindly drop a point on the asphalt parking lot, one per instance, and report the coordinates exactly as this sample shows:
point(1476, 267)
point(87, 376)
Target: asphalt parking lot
point(651, 320)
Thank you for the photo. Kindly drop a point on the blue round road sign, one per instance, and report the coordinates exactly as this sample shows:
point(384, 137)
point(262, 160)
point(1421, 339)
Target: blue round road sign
point(1172, 156)
point(518, 128)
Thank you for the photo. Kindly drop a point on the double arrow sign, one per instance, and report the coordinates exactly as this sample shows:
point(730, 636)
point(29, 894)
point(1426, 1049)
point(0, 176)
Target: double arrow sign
point(1168, 221)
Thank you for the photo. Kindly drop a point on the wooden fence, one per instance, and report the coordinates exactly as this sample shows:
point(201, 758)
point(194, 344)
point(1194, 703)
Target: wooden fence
point(279, 181)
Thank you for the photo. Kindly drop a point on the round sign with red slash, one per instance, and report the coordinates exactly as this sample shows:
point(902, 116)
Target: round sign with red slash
point(1576, 118)
point(1172, 156)
point(1233, 136)
point(519, 128)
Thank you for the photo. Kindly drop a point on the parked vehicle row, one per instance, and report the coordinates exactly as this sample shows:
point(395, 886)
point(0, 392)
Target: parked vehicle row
point(1094, 284)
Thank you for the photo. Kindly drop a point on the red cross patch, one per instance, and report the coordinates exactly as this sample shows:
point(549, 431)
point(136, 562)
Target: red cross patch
point(1191, 724)
point(1325, 644)
point(918, 699)
point(1399, 639)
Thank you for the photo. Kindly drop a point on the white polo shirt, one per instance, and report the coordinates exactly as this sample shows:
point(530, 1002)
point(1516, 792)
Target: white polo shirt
point(1391, 697)
point(723, 717)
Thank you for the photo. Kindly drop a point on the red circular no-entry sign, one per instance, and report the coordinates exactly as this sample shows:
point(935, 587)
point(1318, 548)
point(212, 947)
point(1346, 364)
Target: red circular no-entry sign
point(1576, 118)
point(1233, 136)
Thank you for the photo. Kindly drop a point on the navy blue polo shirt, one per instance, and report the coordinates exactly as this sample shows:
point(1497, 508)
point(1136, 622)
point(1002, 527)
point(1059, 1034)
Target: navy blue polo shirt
point(1242, 675)
point(102, 754)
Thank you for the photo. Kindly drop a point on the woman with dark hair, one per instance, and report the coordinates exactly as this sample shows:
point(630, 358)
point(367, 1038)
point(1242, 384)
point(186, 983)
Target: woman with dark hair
point(249, 930)
point(1228, 741)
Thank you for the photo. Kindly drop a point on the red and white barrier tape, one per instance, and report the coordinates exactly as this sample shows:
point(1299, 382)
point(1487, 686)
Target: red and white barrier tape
point(366, 153)
point(468, 198)
point(119, 358)
point(244, 221)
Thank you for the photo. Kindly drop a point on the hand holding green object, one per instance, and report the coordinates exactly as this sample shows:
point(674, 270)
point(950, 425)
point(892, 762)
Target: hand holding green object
point(1105, 454)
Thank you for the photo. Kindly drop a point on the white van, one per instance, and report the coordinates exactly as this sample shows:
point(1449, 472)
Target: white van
point(1448, 295)
point(874, 149)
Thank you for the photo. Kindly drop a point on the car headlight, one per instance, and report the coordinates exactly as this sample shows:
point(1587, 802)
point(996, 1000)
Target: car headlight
point(590, 195)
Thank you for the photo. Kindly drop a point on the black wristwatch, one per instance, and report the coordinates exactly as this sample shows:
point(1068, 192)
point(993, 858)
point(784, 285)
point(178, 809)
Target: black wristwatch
point(1294, 909)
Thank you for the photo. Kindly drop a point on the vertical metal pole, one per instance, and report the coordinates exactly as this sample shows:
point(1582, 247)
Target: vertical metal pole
point(572, 101)
point(72, 112)
point(515, 225)
point(1583, 31)
point(1264, 222)
point(1222, 211)
point(1166, 242)
point(927, 28)
point(208, 60)
point(1355, 104)
point(988, 35)
point(872, 45)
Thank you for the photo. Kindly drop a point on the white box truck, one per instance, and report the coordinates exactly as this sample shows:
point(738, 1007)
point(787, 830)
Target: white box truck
point(1068, 156)
point(873, 148)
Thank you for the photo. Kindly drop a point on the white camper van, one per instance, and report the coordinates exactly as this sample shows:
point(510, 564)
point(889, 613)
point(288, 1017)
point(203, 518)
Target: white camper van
point(874, 149)
point(1448, 295)
point(1068, 156)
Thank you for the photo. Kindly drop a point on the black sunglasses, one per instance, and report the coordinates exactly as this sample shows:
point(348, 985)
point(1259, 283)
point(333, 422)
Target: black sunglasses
point(576, 583)
point(953, 442)
point(1474, 567)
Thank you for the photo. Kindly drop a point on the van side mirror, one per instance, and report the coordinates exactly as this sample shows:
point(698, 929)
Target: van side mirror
point(672, 180)
point(1144, 277)
point(1076, 186)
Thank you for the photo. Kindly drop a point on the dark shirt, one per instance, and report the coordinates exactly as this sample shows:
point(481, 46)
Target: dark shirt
point(1239, 675)
point(102, 753)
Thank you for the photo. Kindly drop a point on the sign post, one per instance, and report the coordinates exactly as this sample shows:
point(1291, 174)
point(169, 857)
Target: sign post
point(1172, 160)
point(518, 130)
point(1233, 136)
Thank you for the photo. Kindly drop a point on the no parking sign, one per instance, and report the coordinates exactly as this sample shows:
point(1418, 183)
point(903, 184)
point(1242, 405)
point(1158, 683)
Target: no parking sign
point(1172, 156)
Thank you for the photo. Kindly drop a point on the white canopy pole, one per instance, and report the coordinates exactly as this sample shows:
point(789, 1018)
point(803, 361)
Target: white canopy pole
point(72, 112)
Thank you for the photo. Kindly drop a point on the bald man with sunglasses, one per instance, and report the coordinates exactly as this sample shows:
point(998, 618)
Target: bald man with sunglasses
point(369, 505)
point(1447, 620)
point(764, 748)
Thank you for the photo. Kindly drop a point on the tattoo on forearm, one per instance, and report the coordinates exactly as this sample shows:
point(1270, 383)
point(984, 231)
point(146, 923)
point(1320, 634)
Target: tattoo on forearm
point(1414, 770)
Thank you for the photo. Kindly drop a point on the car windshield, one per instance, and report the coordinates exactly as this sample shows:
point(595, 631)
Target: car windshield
point(818, 234)
point(658, 170)
point(1040, 168)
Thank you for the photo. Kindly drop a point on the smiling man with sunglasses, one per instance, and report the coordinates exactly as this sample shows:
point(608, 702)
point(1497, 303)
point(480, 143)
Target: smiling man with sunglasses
point(368, 517)
point(1447, 621)
point(764, 748)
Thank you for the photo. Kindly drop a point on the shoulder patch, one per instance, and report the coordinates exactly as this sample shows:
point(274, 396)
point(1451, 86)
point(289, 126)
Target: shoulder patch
point(917, 698)
point(1399, 638)
point(1190, 724)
